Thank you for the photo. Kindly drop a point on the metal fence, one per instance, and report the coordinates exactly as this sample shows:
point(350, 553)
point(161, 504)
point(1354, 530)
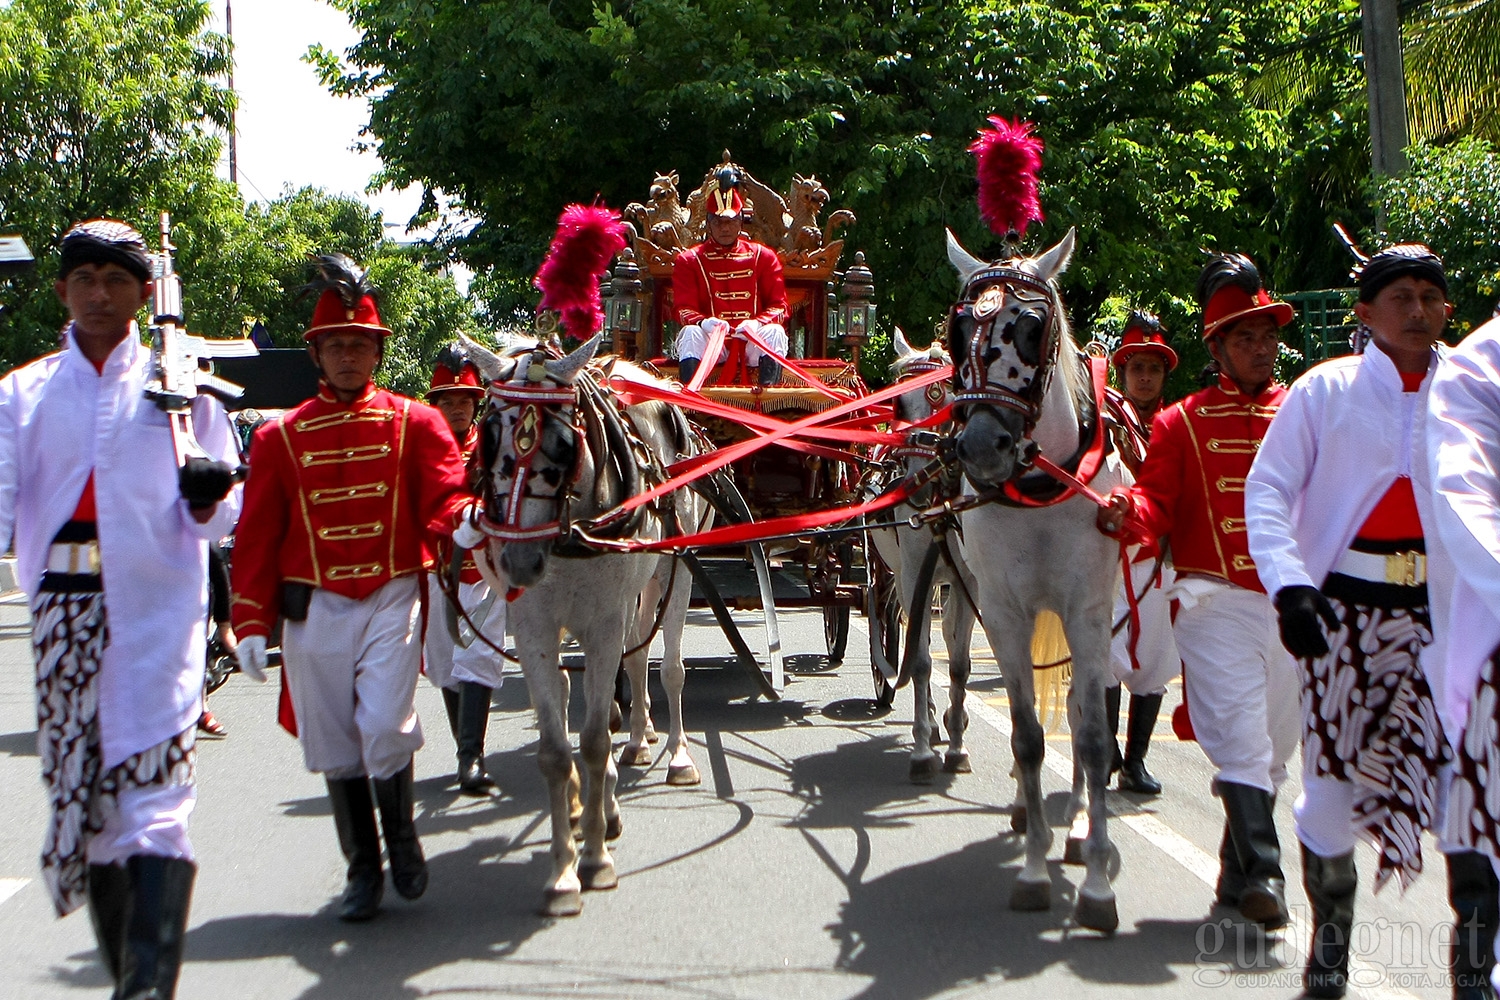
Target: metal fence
point(1325, 318)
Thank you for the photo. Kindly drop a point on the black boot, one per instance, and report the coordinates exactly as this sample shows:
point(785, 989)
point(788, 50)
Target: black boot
point(1133, 774)
point(160, 891)
point(1474, 892)
point(1330, 885)
point(473, 720)
point(109, 907)
point(1112, 722)
point(768, 372)
point(354, 815)
point(1253, 830)
point(1231, 876)
point(397, 800)
point(686, 369)
point(450, 702)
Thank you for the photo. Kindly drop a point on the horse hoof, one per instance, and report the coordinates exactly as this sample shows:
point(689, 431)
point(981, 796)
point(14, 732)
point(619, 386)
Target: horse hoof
point(1031, 896)
point(613, 827)
point(922, 770)
point(653, 737)
point(1096, 914)
point(635, 756)
point(957, 762)
point(598, 877)
point(1073, 851)
point(562, 903)
point(686, 774)
point(1018, 819)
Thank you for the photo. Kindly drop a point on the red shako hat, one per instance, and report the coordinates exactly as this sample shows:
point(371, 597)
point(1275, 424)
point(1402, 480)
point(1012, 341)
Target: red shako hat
point(723, 196)
point(1230, 290)
point(1143, 335)
point(346, 299)
point(444, 380)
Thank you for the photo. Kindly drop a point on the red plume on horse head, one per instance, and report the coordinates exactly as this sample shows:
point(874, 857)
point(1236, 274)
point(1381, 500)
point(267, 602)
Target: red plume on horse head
point(587, 237)
point(1009, 155)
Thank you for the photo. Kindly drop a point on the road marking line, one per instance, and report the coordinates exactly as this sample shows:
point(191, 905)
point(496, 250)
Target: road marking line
point(1195, 860)
point(10, 886)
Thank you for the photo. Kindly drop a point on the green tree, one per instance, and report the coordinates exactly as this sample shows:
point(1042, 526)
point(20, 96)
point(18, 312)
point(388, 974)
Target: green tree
point(1449, 198)
point(514, 107)
point(107, 107)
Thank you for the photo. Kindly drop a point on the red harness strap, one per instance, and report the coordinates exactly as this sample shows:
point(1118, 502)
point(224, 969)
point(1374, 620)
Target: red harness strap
point(724, 456)
point(1088, 465)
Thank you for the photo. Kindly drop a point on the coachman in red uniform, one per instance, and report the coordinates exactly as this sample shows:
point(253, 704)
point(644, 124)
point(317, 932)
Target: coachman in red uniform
point(1241, 685)
point(732, 285)
point(342, 496)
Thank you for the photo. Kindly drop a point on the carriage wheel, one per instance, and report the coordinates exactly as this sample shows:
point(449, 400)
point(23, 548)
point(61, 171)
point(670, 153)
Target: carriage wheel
point(883, 612)
point(829, 566)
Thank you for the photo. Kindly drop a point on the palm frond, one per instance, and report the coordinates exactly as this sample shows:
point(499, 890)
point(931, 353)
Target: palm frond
point(1452, 67)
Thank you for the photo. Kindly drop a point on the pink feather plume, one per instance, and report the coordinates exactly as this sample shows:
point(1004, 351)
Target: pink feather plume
point(587, 237)
point(1009, 155)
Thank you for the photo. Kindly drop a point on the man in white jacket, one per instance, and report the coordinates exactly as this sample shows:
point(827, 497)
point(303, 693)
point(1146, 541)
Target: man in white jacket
point(1463, 438)
point(111, 543)
point(1338, 514)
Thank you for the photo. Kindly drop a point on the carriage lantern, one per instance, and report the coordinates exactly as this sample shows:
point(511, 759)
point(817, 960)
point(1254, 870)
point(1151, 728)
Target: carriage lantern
point(856, 317)
point(623, 306)
point(832, 319)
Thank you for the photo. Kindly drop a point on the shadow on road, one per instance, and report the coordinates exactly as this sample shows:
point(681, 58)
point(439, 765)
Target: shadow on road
point(480, 907)
point(18, 744)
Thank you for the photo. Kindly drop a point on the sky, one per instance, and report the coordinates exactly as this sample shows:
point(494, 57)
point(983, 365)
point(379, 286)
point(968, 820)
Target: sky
point(291, 131)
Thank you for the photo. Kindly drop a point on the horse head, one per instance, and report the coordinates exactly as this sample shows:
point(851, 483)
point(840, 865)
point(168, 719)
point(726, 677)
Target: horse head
point(530, 451)
point(1006, 334)
point(919, 404)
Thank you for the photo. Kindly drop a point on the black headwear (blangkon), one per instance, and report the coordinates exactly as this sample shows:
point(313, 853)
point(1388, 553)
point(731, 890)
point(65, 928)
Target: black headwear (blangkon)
point(1399, 261)
point(105, 241)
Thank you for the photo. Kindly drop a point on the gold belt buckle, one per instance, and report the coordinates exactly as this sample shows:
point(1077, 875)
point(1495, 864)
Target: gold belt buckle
point(1407, 569)
point(85, 552)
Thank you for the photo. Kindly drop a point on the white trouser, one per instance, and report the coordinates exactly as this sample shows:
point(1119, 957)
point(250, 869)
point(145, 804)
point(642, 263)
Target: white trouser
point(152, 820)
point(352, 667)
point(1243, 688)
point(692, 340)
point(1155, 649)
point(446, 663)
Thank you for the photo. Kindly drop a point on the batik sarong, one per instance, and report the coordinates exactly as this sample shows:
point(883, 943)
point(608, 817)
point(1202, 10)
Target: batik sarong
point(69, 633)
point(1369, 718)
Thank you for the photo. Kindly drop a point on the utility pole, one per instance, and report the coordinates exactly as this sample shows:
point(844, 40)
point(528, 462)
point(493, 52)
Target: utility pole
point(1386, 79)
point(234, 169)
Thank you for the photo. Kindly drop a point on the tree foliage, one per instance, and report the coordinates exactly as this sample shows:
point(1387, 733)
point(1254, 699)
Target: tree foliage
point(107, 108)
point(1450, 200)
point(515, 107)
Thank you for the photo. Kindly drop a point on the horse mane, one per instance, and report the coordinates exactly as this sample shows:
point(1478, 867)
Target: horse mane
point(1065, 351)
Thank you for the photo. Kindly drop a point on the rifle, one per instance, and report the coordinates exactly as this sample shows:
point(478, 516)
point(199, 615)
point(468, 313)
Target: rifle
point(180, 365)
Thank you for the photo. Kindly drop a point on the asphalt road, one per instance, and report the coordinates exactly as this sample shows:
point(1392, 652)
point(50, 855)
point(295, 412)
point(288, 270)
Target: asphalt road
point(805, 865)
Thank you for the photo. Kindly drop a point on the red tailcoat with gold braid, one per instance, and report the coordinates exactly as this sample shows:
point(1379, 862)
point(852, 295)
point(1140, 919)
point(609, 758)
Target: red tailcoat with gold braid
point(731, 283)
point(1191, 489)
point(468, 571)
point(343, 496)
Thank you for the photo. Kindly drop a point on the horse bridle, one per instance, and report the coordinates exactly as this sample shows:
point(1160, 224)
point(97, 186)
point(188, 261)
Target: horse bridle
point(1023, 391)
point(537, 402)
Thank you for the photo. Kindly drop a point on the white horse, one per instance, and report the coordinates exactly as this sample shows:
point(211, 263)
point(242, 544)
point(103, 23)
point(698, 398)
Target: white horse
point(544, 477)
point(1023, 387)
point(904, 549)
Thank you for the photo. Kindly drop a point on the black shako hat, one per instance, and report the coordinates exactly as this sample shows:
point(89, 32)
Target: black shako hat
point(1399, 261)
point(105, 241)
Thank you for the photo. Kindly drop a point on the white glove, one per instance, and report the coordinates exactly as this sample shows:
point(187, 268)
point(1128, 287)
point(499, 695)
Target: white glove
point(748, 326)
point(253, 658)
point(468, 534)
point(712, 324)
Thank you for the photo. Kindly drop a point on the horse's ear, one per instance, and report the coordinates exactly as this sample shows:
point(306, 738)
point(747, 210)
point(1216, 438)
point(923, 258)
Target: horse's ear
point(490, 364)
point(963, 261)
point(1055, 261)
point(565, 370)
point(903, 349)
